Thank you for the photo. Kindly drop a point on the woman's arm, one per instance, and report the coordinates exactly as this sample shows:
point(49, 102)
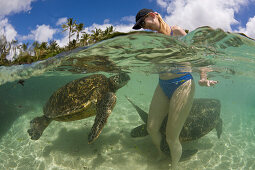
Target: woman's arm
point(178, 31)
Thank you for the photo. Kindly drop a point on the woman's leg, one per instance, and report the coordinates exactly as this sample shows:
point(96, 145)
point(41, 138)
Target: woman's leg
point(179, 108)
point(158, 111)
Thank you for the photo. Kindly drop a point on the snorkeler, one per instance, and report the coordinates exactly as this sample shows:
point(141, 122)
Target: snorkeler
point(174, 92)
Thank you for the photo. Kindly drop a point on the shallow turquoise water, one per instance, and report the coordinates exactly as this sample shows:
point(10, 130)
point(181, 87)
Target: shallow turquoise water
point(65, 145)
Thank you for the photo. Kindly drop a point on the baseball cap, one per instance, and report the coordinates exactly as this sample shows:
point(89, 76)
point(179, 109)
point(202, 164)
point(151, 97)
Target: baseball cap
point(140, 17)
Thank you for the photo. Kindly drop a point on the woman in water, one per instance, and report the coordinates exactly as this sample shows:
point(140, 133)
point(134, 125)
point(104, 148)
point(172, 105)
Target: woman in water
point(174, 93)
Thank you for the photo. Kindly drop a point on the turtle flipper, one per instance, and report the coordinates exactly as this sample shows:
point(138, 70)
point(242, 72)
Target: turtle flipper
point(139, 131)
point(186, 154)
point(37, 126)
point(104, 110)
point(143, 115)
point(219, 128)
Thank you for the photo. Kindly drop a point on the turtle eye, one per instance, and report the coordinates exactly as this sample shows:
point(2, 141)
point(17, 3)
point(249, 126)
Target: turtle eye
point(117, 79)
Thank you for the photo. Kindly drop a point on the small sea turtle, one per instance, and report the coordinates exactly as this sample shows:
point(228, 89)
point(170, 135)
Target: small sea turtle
point(204, 117)
point(79, 99)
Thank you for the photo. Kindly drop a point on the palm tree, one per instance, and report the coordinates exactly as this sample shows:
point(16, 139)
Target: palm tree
point(97, 35)
point(108, 31)
point(4, 50)
point(36, 46)
point(43, 49)
point(85, 38)
point(70, 25)
point(72, 44)
point(54, 47)
point(78, 29)
point(14, 44)
point(3, 43)
point(3, 47)
point(24, 47)
point(19, 47)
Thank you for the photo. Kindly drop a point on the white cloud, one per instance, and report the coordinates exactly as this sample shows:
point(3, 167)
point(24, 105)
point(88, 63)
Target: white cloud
point(128, 19)
point(162, 3)
point(61, 21)
point(43, 33)
point(106, 21)
point(14, 6)
point(124, 28)
point(7, 30)
point(120, 28)
point(8, 7)
point(191, 14)
point(64, 41)
point(250, 28)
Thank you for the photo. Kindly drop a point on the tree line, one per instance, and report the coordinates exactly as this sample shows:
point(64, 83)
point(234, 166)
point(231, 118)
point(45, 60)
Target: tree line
point(25, 53)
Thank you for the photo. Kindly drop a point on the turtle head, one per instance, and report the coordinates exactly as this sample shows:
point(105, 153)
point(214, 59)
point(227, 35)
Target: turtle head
point(119, 80)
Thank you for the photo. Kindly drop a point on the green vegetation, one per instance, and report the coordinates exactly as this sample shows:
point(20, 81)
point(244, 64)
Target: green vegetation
point(26, 54)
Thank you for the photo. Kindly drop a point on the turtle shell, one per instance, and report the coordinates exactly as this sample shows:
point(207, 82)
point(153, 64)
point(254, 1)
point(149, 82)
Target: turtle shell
point(77, 99)
point(204, 116)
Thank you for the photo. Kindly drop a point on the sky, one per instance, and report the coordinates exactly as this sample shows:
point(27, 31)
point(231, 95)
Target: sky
point(41, 20)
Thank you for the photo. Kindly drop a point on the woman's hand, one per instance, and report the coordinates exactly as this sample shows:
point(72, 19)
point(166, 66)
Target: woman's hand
point(203, 77)
point(208, 83)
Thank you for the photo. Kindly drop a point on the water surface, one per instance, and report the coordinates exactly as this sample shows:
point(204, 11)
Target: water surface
point(143, 56)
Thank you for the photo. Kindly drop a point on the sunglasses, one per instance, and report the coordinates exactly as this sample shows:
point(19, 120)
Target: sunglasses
point(142, 22)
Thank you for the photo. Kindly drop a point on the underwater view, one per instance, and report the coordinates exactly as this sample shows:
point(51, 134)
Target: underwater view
point(46, 88)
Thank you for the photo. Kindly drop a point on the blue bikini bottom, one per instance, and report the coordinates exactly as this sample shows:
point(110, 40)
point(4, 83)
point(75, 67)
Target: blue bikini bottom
point(169, 86)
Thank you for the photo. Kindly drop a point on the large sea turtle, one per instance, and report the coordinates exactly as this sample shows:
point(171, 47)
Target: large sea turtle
point(79, 99)
point(204, 117)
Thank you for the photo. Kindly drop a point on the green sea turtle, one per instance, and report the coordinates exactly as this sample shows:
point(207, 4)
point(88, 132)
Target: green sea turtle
point(204, 117)
point(79, 99)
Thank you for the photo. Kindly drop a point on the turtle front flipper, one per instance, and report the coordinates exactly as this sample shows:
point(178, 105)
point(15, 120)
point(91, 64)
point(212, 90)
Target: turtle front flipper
point(37, 126)
point(139, 131)
point(104, 109)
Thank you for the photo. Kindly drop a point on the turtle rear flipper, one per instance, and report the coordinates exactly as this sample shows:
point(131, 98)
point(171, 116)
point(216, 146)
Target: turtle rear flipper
point(219, 128)
point(104, 110)
point(186, 154)
point(143, 115)
point(139, 131)
point(37, 126)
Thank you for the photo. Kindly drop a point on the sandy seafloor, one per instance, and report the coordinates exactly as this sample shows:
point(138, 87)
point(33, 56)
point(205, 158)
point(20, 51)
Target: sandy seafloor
point(64, 145)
